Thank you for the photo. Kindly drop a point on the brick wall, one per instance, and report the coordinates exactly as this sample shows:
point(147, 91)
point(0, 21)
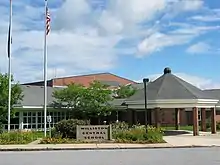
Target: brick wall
point(167, 117)
point(87, 79)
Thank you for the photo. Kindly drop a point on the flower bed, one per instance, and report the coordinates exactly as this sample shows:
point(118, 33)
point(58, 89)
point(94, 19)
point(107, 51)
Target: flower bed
point(17, 137)
point(121, 132)
point(139, 134)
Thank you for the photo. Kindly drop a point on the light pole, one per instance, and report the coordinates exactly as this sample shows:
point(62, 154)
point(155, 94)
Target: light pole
point(147, 117)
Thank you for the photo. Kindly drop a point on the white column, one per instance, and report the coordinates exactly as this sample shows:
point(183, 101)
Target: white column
point(37, 120)
point(21, 120)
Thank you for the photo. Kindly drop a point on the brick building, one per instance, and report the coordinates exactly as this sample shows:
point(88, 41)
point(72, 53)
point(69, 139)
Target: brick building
point(170, 101)
point(173, 101)
point(110, 79)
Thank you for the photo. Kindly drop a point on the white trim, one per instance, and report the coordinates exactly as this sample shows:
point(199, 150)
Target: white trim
point(217, 106)
point(32, 107)
point(214, 101)
point(57, 86)
point(174, 103)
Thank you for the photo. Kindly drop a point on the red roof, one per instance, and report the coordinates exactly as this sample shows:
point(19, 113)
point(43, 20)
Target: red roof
point(85, 80)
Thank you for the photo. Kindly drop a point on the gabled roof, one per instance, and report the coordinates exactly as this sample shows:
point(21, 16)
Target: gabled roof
point(214, 93)
point(169, 86)
point(138, 86)
point(34, 95)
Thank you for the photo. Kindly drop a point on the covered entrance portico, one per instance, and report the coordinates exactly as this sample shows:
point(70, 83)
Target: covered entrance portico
point(172, 93)
point(156, 106)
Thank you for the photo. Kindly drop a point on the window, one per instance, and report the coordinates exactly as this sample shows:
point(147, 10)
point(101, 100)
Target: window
point(25, 120)
point(199, 115)
point(39, 114)
point(35, 120)
point(39, 126)
point(39, 119)
point(29, 120)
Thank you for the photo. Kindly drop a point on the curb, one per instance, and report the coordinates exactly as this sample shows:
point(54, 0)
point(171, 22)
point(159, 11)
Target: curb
point(106, 148)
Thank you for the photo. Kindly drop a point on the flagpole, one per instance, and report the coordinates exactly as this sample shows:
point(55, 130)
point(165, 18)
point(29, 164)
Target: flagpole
point(45, 72)
point(9, 67)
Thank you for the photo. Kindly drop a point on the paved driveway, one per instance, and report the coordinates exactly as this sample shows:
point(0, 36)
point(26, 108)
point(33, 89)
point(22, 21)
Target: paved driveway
point(206, 139)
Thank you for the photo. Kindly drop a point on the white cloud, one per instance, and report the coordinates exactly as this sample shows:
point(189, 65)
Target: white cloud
point(71, 14)
point(202, 48)
point(212, 15)
point(200, 82)
point(158, 41)
point(206, 18)
point(82, 40)
point(189, 5)
point(183, 32)
point(199, 48)
point(110, 23)
point(134, 11)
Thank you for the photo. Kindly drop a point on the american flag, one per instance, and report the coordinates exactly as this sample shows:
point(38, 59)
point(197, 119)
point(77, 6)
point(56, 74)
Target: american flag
point(47, 21)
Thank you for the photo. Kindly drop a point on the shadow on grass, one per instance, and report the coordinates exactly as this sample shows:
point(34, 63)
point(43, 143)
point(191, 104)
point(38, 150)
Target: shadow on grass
point(175, 132)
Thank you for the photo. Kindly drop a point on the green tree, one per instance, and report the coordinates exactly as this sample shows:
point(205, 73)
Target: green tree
point(16, 96)
point(84, 103)
point(96, 100)
point(125, 92)
point(70, 98)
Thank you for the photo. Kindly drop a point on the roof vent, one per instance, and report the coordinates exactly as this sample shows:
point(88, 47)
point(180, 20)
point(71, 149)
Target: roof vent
point(167, 70)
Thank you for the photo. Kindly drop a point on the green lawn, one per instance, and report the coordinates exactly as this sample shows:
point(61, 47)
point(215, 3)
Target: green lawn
point(187, 128)
point(39, 134)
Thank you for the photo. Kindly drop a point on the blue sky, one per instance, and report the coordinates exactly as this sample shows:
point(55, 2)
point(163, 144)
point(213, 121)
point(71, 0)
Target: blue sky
point(131, 38)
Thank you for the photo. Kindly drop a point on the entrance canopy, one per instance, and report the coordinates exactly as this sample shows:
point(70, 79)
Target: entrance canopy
point(169, 91)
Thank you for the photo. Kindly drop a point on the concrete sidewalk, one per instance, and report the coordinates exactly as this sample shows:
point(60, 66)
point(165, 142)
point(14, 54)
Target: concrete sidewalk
point(92, 146)
point(189, 140)
point(85, 146)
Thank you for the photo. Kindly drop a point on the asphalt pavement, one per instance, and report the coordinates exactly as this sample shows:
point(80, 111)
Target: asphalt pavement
point(166, 156)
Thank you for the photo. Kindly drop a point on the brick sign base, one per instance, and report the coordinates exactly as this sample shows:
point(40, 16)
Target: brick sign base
point(94, 132)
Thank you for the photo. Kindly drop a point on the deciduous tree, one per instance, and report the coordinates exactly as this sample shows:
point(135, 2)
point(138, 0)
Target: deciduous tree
point(69, 98)
point(16, 96)
point(85, 103)
point(125, 92)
